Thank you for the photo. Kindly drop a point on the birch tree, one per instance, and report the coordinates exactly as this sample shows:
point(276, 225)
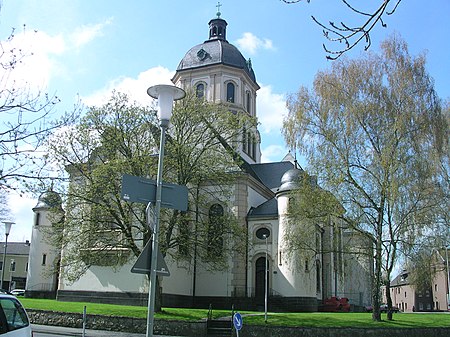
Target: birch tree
point(374, 132)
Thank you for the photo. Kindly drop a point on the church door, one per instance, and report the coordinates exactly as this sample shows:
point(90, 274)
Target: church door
point(260, 268)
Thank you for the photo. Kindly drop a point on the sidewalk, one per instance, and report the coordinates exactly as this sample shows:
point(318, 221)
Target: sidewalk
point(74, 332)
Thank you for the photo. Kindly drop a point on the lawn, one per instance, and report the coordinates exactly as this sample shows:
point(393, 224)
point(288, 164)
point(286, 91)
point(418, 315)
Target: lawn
point(323, 320)
point(355, 320)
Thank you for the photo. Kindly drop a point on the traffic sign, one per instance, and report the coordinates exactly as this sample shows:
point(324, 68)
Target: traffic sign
point(237, 321)
point(143, 263)
point(143, 190)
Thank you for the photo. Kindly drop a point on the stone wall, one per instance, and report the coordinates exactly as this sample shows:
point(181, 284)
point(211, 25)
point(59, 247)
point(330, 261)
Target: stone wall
point(113, 323)
point(199, 328)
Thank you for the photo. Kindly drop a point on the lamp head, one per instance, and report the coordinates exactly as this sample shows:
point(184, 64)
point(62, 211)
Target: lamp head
point(8, 225)
point(165, 94)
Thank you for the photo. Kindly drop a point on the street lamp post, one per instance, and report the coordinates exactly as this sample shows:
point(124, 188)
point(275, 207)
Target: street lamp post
point(166, 95)
point(8, 225)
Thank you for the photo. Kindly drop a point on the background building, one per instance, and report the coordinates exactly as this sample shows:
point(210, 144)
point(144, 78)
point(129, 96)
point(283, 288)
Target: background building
point(16, 264)
point(409, 299)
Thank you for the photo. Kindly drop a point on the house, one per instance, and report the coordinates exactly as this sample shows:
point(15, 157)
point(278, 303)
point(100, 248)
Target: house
point(16, 264)
point(409, 299)
point(260, 201)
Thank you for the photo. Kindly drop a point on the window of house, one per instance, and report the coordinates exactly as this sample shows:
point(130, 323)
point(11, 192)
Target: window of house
point(306, 265)
point(248, 101)
point(200, 90)
point(12, 266)
point(215, 231)
point(405, 294)
point(1, 265)
point(435, 287)
point(44, 259)
point(230, 92)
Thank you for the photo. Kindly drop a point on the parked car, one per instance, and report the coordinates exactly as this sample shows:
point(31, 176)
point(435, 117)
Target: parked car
point(14, 320)
point(18, 292)
point(383, 308)
point(336, 304)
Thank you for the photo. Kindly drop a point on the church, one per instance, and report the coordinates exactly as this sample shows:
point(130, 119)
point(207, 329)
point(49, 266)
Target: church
point(219, 73)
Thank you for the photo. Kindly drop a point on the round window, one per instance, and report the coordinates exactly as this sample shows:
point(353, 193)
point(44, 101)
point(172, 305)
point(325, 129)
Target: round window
point(263, 233)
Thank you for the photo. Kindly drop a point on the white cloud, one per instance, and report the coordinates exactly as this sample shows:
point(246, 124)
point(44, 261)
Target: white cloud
point(42, 54)
point(136, 88)
point(86, 33)
point(35, 52)
point(273, 153)
point(22, 214)
point(271, 110)
point(250, 43)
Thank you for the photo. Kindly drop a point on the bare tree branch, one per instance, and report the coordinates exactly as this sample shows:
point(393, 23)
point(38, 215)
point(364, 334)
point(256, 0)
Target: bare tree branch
point(351, 36)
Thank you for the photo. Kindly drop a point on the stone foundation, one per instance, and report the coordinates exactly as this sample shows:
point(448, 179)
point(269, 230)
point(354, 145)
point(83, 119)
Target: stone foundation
point(199, 328)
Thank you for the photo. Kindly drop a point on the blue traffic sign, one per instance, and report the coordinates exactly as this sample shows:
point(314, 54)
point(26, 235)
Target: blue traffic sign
point(237, 321)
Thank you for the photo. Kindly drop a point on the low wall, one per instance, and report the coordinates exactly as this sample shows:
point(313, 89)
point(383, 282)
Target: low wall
point(199, 328)
point(113, 323)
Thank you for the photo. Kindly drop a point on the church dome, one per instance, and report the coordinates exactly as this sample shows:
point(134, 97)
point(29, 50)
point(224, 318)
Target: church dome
point(291, 180)
point(216, 50)
point(49, 199)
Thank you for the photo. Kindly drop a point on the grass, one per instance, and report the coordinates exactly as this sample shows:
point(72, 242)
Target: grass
point(320, 319)
point(354, 320)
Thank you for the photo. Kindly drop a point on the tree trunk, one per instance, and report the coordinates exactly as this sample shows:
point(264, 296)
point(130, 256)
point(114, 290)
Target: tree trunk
point(158, 298)
point(389, 300)
point(376, 315)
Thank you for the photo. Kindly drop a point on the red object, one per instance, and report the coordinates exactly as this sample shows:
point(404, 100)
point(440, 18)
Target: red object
point(336, 304)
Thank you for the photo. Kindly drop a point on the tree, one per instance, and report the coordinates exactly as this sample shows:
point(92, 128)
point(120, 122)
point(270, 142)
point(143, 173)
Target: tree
point(374, 132)
point(28, 118)
point(5, 212)
point(122, 137)
point(348, 35)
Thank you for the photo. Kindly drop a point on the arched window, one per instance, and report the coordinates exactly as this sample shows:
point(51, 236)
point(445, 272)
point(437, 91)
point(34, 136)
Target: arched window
point(37, 219)
point(244, 139)
point(248, 102)
point(318, 277)
point(215, 231)
point(230, 92)
point(200, 90)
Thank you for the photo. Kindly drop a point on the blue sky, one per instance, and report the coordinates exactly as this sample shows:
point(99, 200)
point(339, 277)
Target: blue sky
point(88, 48)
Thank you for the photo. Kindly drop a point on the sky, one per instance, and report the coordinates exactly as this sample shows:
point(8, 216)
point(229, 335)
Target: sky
point(88, 48)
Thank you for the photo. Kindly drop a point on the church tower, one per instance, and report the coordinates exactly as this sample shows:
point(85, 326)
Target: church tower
point(217, 72)
point(43, 261)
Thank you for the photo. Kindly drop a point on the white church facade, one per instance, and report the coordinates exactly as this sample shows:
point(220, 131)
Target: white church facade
point(218, 72)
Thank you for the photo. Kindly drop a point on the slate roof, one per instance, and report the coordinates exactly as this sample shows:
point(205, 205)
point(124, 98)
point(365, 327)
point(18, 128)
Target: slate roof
point(15, 248)
point(266, 209)
point(401, 279)
point(216, 50)
point(270, 174)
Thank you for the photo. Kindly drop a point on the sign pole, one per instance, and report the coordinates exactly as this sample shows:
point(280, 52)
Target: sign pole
point(155, 236)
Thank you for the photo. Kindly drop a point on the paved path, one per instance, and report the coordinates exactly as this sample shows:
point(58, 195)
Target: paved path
point(44, 330)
